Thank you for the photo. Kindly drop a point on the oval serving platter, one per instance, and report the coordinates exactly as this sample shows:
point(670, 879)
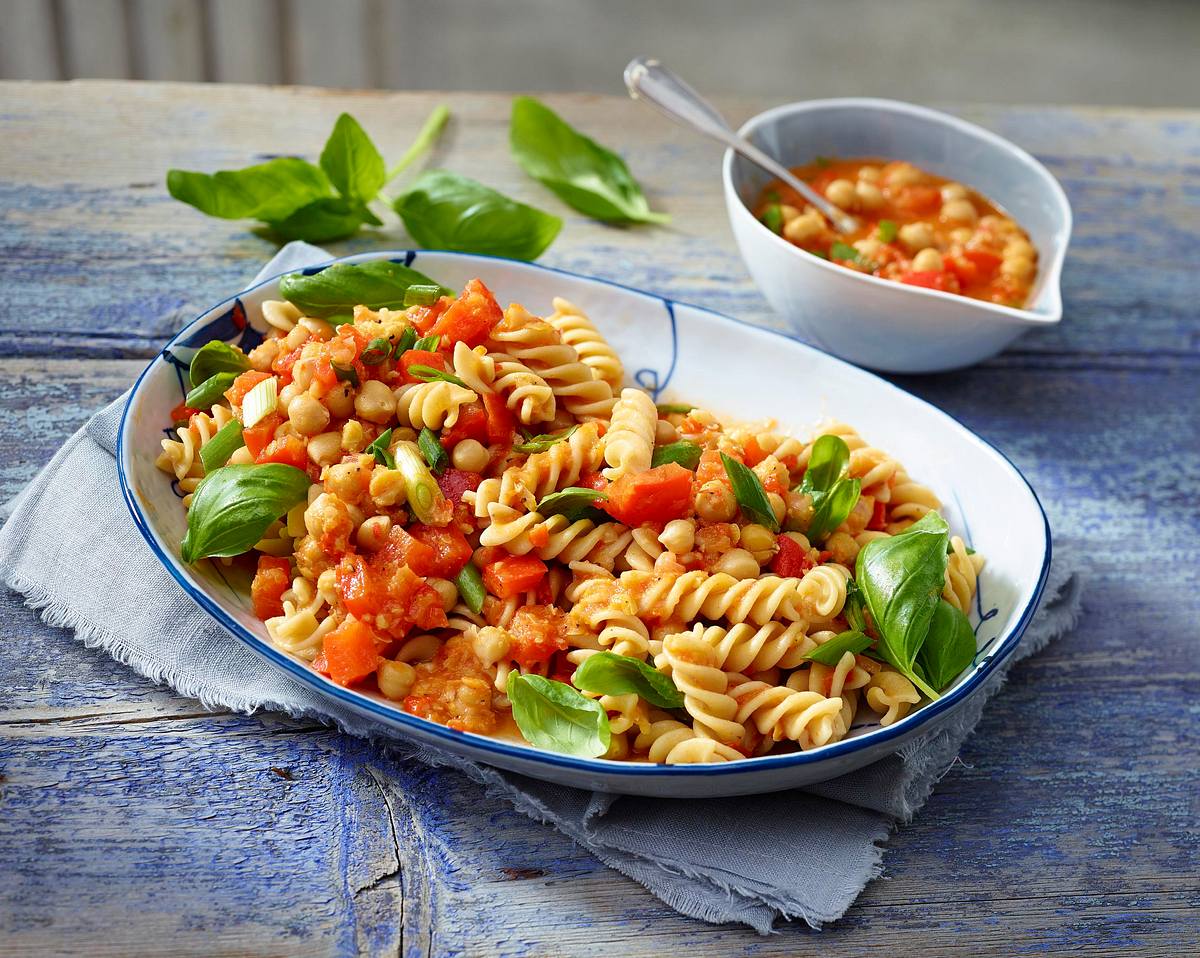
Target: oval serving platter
point(678, 352)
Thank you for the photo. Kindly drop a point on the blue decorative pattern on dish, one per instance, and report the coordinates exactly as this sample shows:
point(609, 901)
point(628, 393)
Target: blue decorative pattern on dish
point(648, 378)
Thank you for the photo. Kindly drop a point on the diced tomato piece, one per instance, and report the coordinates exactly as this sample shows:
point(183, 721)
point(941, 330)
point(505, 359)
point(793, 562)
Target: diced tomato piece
point(243, 384)
point(711, 467)
point(513, 575)
point(321, 664)
point(472, 424)
point(824, 555)
point(471, 317)
point(539, 536)
point(271, 581)
point(754, 453)
point(183, 412)
point(425, 608)
point(790, 561)
point(423, 317)
point(931, 279)
point(878, 516)
point(501, 426)
point(657, 495)
point(964, 270)
point(593, 480)
point(289, 450)
point(450, 549)
point(351, 651)
point(454, 482)
point(402, 549)
point(354, 585)
point(538, 632)
point(282, 364)
point(987, 261)
point(561, 669)
point(489, 554)
point(420, 357)
point(919, 199)
point(258, 436)
point(324, 375)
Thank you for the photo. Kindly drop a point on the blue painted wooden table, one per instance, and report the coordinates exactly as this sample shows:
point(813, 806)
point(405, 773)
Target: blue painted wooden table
point(133, 821)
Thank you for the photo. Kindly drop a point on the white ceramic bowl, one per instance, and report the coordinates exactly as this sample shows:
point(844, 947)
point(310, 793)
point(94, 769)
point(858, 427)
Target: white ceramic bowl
point(879, 323)
point(674, 350)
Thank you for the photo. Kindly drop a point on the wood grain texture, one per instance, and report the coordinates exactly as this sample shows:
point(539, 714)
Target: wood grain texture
point(134, 822)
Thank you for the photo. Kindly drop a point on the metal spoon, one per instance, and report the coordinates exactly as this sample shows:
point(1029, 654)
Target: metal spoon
point(649, 80)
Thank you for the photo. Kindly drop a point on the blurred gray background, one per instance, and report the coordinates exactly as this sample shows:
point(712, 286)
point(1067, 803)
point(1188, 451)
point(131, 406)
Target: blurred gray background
point(1143, 53)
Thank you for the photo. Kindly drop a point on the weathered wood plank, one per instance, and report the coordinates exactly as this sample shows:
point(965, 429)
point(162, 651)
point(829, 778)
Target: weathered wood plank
point(170, 39)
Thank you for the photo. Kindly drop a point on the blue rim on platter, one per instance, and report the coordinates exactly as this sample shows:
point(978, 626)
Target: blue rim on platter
point(1003, 646)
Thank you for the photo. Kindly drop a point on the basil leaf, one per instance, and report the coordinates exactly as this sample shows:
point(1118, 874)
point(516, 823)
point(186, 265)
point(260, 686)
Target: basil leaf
point(433, 451)
point(443, 210)
point(210, 391)
point(322, 220)
point(901, 579)
point(749, 492)
point(949, 647)
point(543, 442)
point(268, 191)
point(428, 374)
point(233, 506)
point(408, 339)
point(829, 459)
point(831, 509)
point(350, 160)
point(687, 454)
point(667, 408)
point(574, 502)
point(552, 715)
point(379, 449)
point(578, 170)
point(216, 357)
point(830, 653)
point(471, 588)
point(339, 288)
point(216, 452)
point(607, 673)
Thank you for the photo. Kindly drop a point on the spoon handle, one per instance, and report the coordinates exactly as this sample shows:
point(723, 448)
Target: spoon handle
point(666, 91)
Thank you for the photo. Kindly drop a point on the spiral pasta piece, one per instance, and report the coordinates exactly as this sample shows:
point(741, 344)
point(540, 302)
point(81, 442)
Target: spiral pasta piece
point(181, 457)
point(909, 502)
point(433, 405)
point(524, 391)
point(666, 596)
point(692, 663)
point(807, 718)
point(673, 743)
point(578, 332)
point(962, 575)
point(750, 649)
point(891, 694)
point(305, 622)
point(542, 473)
point(629, 442)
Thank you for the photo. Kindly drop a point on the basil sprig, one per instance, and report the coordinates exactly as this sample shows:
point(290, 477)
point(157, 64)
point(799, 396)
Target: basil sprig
point(233, 506)
point(444, 210)
point(833, 495)
point(543, 442)
point(831, 652)
point(607, 673)
point(686, 454)
point(210, 391)
point(296, 199)
point(574, 502)
point(379, 449)
point(337, 289)
point(554, 716)
point(577, 169)
point(920, 634)
point(216, 357)
point(749, 492)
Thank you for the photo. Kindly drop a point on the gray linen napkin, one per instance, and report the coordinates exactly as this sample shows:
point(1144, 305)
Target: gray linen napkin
point(714, 859)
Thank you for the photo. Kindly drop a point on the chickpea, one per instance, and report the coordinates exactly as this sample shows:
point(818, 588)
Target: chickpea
point(959, 211)
point(302, 374)
point(328, 520)
point(678, 536)
point(349, 480)
point(953, 191)
point(447, 591)
point(715, 502)
point(870, 246)
point(340, 400)
point(778, 505)
point(287, 394)
point(842, 193)
point(296, 338)
point(262, 355)
point(375, 402)
point(738, 563)
point(387, 487)
point(395, 679)
point(788, 212)
point(903, 174)
point(843, 547)
point(471, 455)
point(870, 197)
point(664, 433)
point(1018, 246)
point(928, 259)
point(241, 457)
point(758, 540)
point(317, 328)
point(307, 415)
point(325, 449)
point(916, 236)
point(1017, 267)
point(799, 510)
point(373, 533)
point(962, 235)
point(353, 437)
point(280, 314)
point(804, 228)
point(869, 174)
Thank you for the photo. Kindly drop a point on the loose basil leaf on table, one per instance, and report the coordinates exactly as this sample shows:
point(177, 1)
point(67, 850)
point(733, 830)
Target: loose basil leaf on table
point(209, 391)
point(216, 357)
point(901, 579)
point(266, 191)
point(233, 507)
point(607, 673)
point(949, 648)
point(686, 454)
point(749, 492)
point(443, 210)
point(554, 716)
point(577, 169)
point(831, 652)
point(351, 161)
point(323, 220)
point(574, 502)
point(379, 284)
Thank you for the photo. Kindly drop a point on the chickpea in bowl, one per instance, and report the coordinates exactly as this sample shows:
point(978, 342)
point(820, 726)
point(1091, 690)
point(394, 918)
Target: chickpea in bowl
point(914, 227)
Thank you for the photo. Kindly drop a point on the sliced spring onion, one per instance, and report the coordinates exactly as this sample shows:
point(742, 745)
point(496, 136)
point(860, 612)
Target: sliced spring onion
point(772, 196)
point(216, 357)
point(854, 609)
point(574, 502)
point(424, 497)
point(470, 587)
point(376, 351)
point(432, 450)
point(687, 454)
point(407, 340)
point(672, 408)
point(772, 218)
point(418, 295)
point(429, 374)
point(840, 250)
point(887, 230)
point(428, 343)
point(260, 402)
point(379, 449)
point(749, 492)
point(831, 652)
point(346, 374)
point(216, 452)
point(543, 442)
point(210, 391)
